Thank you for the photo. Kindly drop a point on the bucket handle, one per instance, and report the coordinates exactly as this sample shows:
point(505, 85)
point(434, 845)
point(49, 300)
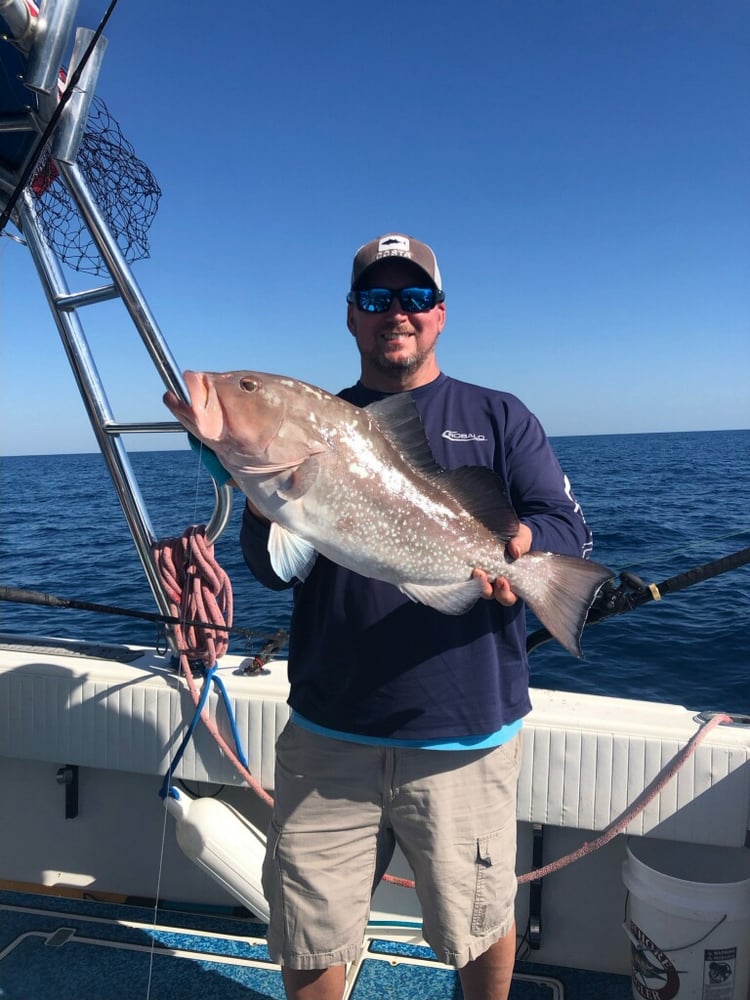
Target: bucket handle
point(637, 944)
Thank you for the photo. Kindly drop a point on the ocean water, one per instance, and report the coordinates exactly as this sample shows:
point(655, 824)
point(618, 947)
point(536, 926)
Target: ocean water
point(658, 504)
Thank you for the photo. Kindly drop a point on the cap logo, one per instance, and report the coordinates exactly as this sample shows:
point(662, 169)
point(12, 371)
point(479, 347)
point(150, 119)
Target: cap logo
point(396, 245)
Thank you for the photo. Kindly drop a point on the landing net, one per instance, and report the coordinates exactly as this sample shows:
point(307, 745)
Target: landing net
point(122, 185)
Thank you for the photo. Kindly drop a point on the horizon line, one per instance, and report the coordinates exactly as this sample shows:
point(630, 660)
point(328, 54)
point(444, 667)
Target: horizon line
point(552, 437)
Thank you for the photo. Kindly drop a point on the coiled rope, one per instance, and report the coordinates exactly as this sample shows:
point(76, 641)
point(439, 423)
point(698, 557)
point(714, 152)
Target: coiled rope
point(200, 591)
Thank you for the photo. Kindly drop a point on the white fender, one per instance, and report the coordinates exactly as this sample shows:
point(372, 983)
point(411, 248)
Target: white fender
point(224, 844)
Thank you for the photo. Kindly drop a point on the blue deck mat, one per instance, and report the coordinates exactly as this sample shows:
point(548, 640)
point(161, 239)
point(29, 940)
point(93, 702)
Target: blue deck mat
point(54, 948)
point(68, 949)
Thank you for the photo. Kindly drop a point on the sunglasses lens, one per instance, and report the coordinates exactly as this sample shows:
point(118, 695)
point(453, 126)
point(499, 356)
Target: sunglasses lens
point(415, 300)
point(374, 300)
point(378, 300)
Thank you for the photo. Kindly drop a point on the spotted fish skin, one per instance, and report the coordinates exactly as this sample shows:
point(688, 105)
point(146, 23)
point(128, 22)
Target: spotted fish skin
point(360, 486)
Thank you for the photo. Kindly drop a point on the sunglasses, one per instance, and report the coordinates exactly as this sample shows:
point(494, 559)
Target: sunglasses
point(412, 300)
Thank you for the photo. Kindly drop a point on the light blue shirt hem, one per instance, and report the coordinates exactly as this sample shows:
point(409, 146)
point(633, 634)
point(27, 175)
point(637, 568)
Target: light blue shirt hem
point(483, 742)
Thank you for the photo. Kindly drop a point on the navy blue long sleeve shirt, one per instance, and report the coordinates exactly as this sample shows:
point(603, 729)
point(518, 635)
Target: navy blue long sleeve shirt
point(366, 660)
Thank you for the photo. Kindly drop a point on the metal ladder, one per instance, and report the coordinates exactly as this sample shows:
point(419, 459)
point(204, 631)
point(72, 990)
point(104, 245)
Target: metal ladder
point(66, 305)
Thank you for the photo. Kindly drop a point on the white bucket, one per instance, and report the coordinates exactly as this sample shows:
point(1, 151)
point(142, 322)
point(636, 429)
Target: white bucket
point(689, 922)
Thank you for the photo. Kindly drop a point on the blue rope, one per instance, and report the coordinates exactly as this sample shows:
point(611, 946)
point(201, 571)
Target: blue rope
point(232, 722)
point(211, 676)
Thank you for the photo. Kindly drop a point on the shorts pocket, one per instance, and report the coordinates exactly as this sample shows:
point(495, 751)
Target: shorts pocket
point(270, 876)
point(494, 891)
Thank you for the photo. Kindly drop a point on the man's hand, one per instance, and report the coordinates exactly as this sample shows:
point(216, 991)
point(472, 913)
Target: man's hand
point(499, 589)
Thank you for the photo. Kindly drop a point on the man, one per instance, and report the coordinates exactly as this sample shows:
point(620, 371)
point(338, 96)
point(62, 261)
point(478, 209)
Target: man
point(405, 721)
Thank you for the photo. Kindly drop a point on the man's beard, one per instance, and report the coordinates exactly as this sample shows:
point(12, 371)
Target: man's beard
point(388, 363)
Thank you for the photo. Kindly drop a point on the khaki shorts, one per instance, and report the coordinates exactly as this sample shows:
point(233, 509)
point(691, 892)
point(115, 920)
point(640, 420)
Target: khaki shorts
point(339, 810)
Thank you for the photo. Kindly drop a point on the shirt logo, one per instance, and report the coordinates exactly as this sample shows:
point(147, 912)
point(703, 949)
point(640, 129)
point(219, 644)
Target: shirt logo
point(462, 436)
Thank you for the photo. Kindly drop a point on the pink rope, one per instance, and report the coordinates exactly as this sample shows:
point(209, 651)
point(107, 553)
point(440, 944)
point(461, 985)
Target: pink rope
point(199, 590)
point(635, 808)
point(618, 824)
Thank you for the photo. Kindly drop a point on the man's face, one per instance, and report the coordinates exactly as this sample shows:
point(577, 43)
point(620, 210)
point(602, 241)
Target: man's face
point(397, 348)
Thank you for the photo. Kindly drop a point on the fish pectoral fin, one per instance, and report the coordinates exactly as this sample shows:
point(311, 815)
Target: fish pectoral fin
point(302, 479)
point(450, 598)
point(291, 556)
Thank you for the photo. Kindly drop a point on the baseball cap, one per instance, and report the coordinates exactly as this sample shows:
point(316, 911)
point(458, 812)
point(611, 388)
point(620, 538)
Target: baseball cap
point(396, 245)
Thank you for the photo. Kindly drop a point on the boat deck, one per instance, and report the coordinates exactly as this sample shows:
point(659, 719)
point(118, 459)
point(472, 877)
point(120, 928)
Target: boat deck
point(56, 948)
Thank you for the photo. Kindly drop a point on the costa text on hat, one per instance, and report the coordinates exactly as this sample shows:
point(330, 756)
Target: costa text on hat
point(396, 245)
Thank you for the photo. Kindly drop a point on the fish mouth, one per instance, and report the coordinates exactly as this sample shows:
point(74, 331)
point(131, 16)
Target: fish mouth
point(199, 388)
point(200, 393)
point(178, 407)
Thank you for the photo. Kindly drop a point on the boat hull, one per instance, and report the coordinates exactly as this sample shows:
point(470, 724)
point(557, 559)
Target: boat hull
point(114, 716)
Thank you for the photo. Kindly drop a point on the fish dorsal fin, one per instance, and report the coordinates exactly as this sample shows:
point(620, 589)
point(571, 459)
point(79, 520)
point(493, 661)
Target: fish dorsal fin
point(291, 556)
point(399, 421)
point(480, 491)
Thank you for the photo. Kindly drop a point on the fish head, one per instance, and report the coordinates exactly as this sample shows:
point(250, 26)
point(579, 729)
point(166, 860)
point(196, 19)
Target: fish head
point(253, 421)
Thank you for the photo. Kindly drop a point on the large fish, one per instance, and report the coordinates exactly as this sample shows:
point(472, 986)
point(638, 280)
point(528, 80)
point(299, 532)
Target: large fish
point(360, 486)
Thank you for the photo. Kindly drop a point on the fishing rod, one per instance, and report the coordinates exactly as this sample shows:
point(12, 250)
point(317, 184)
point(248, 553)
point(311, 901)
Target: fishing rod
point(632, 592)
point(613, 599)
point(22, 596)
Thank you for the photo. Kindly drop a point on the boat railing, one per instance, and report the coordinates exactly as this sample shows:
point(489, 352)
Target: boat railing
point(40, 47)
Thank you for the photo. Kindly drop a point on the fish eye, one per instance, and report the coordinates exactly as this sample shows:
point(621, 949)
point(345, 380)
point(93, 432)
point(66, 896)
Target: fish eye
point(249, 384)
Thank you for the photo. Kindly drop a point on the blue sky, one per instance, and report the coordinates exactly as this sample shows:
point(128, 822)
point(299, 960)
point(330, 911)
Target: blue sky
point(581, 168)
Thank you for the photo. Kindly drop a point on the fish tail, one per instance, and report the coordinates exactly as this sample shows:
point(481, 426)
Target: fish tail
point(560, 590)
